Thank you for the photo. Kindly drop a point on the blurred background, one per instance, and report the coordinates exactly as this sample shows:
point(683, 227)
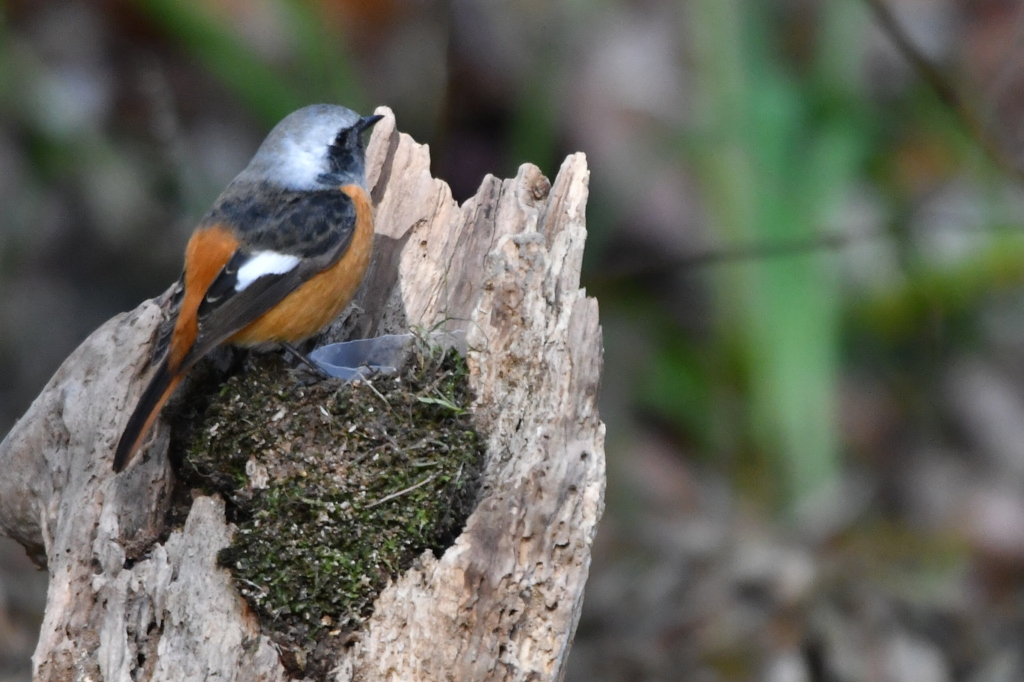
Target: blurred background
point(805, 236)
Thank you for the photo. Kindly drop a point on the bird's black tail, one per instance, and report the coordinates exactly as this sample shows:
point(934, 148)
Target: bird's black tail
point(153, 398)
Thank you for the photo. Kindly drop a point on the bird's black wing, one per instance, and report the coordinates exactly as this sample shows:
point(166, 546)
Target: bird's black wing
point(315, 227)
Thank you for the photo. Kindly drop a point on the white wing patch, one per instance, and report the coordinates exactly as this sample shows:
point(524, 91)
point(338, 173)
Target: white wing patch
point(264, 263)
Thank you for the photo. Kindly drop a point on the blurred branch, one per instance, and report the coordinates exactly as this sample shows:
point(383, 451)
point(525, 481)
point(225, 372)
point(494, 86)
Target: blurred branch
point(743, 252)
point(945, 89)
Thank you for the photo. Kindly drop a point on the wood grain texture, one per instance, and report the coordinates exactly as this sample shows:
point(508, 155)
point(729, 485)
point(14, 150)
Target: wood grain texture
point(501, 604)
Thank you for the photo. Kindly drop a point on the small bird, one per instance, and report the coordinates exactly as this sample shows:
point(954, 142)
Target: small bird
point(279, 255)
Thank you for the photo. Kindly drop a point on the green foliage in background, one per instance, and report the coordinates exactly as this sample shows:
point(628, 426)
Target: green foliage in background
point(780, 143)
point(320, 71)
point(776, 154)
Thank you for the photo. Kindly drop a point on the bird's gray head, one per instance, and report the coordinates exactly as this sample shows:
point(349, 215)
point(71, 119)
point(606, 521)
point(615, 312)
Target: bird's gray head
point(316, 147)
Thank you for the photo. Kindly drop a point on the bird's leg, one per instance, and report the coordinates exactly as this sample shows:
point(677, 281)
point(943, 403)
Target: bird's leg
point(304, 360)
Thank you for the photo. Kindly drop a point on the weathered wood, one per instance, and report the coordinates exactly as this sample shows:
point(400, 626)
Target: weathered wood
point(502, 603)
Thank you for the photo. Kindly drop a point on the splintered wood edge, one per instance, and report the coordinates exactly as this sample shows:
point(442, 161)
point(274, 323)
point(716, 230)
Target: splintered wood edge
point(502, 603)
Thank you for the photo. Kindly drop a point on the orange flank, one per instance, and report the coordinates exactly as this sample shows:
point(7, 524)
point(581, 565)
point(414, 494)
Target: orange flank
point(206, 254)
point(313, 305)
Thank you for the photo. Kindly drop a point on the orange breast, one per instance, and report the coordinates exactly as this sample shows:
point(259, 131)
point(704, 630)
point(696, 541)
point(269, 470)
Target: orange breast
point(313, 305)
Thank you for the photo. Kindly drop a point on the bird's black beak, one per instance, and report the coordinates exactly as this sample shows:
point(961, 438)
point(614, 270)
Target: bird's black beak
point(367, 122)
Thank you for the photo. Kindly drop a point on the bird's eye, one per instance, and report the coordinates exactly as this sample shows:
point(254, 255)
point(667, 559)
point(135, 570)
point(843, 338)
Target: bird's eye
point(342, 137)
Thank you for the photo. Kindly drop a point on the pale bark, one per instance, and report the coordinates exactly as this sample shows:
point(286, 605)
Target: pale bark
point(502, 603)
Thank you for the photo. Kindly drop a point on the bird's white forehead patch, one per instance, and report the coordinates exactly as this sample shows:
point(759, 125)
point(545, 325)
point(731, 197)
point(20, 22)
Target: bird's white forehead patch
point(264, 263)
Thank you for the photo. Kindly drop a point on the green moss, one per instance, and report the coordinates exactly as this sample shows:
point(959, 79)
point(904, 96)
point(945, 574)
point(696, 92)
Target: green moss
point(335, 487)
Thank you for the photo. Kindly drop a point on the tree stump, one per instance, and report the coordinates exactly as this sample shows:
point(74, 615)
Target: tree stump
point(127, 601)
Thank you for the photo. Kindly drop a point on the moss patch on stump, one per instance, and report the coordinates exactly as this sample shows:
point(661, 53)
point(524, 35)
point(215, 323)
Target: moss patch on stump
point(335, 487)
